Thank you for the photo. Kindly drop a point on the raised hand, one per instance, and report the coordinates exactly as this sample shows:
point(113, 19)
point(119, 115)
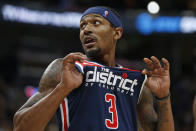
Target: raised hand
point(158, 77)
point(71, 78)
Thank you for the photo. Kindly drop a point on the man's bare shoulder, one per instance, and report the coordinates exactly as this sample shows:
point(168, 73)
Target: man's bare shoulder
point(48, 82)
point(51, 76)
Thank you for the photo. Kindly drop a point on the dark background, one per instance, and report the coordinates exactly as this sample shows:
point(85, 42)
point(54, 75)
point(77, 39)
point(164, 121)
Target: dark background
point(27, 49)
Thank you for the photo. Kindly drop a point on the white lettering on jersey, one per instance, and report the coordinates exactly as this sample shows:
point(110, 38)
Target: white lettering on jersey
point(110, 79)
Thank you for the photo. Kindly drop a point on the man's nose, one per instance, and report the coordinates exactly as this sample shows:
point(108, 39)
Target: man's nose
point(87, 29)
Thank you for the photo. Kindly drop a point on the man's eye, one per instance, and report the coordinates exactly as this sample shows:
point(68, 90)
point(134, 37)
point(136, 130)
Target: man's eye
point(82, 26)
point(96, 22)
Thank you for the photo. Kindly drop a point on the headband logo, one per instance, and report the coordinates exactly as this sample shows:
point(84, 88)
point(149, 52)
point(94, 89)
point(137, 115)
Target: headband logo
point(106, 13)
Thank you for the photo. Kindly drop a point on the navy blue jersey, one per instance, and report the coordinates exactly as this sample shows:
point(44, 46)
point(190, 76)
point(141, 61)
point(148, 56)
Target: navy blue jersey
point(105, 101)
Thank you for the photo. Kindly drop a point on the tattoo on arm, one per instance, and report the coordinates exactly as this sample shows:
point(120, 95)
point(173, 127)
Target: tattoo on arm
point(51, 76)
point(162, 108)
point(48, 82)
point(147, 116)
point(165, 116)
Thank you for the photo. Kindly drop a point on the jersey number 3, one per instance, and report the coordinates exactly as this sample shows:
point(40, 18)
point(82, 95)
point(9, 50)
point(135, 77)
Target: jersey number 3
point(111, 124)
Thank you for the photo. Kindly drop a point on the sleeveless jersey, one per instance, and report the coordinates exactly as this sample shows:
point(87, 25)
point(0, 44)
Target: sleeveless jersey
point(105, 101)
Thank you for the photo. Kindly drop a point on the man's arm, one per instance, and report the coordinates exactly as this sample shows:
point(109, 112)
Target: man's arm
point(147, 117)
point(158, 83)
point(32, 115)
point(35, 114)
point(194, 113)
point(165, 117)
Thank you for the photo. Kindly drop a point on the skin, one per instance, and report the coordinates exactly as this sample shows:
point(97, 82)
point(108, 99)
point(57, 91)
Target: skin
point(95, 26)
point(194, 113)
point(55, 81)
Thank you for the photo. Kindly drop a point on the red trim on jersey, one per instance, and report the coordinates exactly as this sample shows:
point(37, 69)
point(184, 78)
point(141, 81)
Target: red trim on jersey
point(95, 64)
point(130, 69)
point(91, 64)
point(87, 63)
point(80, 63)
point(65, 115)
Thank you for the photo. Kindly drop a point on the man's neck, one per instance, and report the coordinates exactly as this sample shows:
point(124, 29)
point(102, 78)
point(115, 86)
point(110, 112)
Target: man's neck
point(106, 60)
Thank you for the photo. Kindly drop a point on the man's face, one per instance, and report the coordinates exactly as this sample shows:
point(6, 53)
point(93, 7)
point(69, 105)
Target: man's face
point(96, 35)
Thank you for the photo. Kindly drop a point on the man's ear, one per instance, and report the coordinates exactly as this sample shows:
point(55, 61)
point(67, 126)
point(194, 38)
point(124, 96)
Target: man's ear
point(118, 33)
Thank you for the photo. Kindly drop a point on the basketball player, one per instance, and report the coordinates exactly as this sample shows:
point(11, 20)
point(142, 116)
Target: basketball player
point(92, 93)
point(194, 113)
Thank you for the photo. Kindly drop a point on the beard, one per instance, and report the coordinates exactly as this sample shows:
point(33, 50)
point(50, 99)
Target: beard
point(93, 53)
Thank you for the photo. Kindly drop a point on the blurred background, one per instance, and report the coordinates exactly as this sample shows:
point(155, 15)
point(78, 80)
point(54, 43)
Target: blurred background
point(33, 33)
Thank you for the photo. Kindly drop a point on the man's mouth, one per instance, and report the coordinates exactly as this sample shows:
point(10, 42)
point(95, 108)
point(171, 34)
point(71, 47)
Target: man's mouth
point(90, 41)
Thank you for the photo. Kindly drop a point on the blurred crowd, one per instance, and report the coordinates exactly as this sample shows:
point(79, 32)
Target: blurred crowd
point(167, 5)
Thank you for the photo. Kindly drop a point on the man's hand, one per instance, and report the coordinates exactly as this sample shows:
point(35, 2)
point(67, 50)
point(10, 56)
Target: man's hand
point(71, 78)
point(158, 77)
point(159, 83)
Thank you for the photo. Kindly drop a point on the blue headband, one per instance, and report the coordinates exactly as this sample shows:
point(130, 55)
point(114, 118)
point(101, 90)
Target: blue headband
point(106, 13)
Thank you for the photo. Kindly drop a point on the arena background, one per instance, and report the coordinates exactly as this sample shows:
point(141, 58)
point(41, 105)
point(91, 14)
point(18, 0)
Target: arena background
point(33, 33)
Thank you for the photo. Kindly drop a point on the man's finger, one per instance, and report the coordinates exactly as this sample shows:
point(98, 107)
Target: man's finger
point(78, 53)
point(71, 58)
point(149, 63)
point(166, 63)
point(84, 57)
point(146, 72)
point(156, 62)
